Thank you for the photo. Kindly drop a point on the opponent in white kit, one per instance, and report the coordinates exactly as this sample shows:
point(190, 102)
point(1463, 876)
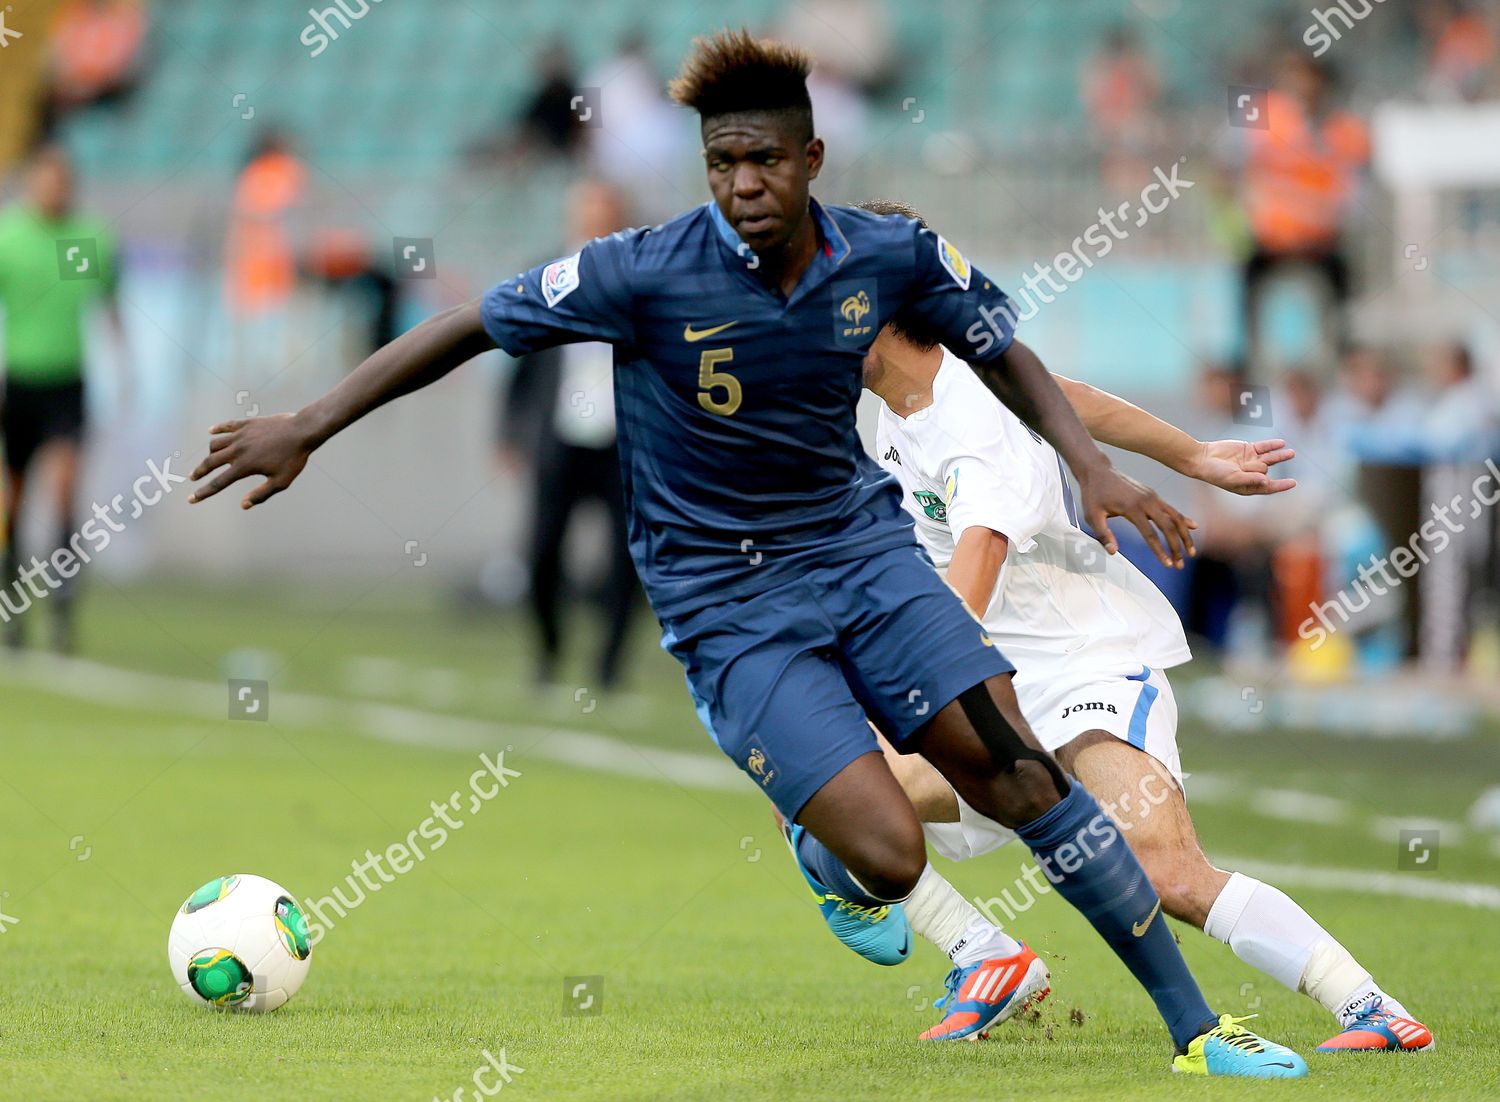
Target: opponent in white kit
point(1091, 638)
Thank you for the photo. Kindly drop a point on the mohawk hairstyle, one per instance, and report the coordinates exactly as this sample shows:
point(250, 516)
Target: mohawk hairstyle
point(734, 72)
point(905, 324)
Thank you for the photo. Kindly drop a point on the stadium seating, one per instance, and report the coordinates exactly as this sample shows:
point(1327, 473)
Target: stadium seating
point(475, 59)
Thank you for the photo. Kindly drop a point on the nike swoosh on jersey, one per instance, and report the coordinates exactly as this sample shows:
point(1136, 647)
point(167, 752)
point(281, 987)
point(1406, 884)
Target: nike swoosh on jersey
point(690, 334)
point(1139, 929)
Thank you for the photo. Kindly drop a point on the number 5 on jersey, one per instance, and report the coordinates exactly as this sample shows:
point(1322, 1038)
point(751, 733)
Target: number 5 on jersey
point(710, 381)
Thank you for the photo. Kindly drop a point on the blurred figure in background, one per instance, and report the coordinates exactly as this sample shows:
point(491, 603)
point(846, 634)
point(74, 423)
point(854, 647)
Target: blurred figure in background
point(341, 259)
point(1374, 418)
point(1231, 596)
point(54, 264)
point(1459, 432)
point(853, 58)
point(1460, 416)
point(1121, 91)
point(260, 256)
point(1300, 175)
point(1322, 466)
point(95, 51)
point(641, 141)
point(550, 122)
point(561, 401)
point(1460, 50)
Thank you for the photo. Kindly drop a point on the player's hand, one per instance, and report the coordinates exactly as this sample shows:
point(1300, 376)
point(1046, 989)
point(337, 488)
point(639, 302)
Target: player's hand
point(1108, 493)
point(277, 447)
point(1242, 467)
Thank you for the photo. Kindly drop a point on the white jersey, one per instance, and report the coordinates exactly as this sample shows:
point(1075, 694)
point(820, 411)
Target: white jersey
point(1064, 609)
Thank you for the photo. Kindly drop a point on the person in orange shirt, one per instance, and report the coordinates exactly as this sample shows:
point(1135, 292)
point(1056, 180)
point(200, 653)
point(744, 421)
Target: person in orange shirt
point(1301, 173)
point(95, 49)
point(1121, 90)
point(1461, 57)
point(261, 259)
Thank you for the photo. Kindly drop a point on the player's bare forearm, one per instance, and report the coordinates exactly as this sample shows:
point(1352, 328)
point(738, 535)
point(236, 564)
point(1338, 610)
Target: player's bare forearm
point(1238, 466)
point(417, 358)
point(1112, 420)
point(974, 570)
point(279, 447)
point(1020, 380)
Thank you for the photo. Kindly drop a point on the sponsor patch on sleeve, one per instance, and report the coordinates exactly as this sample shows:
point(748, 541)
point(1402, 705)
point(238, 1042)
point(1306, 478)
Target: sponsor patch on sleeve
point(953, 261)
point(560, 279)
point(950, 487)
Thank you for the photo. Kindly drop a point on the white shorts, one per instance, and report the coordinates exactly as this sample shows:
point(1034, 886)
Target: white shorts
point(1140, 710)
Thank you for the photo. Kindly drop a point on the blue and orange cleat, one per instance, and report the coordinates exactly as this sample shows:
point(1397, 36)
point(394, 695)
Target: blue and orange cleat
point(1229, 1049)
point(881, 934)
point(1376, 1029)
point(988, 993)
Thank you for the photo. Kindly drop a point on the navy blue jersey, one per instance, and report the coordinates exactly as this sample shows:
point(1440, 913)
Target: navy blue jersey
point(735, 403)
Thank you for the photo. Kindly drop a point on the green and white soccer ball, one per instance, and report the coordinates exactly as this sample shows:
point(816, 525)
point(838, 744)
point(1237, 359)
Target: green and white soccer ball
point(240, 942)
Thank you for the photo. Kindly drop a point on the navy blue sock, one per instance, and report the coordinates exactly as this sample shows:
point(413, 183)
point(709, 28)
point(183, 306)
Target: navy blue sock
point(1082, 854)
point(829, 871)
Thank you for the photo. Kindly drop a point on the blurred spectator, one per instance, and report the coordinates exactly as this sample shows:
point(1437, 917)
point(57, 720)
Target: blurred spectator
point(1460, 419)
point(850, 37)
point(260, 255)
point(46, 291)
point(260, 252)
point(644, 140)
point(1230, 602)
point(1461, 50)
point(343, 261)
point(853, 55)
point(1300, 176)
point(561, 403)
point(95, 52)
point(841, 117)
point(551, 119)
point(1373, 418)
point(1120, 90)
point(1322, 466)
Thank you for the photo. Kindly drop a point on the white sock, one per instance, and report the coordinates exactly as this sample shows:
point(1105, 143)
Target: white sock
point(938, 912)
point(1269, 931)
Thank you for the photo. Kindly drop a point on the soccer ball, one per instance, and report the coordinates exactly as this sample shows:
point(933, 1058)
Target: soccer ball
point(240, 942)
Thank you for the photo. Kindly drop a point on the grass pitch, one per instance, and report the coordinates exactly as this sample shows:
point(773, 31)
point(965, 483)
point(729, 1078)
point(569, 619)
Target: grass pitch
point(674, 902)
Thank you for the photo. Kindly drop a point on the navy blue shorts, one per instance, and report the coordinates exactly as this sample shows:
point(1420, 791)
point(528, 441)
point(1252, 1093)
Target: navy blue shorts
point(785, 680)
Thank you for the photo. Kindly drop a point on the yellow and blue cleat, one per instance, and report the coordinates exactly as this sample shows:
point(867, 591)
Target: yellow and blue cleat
point(1376, 1029)
point(879, 934)
point(1229, 1049)
point(989, 993)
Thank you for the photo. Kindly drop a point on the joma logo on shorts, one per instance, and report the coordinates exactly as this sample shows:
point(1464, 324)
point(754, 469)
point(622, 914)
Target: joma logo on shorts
point(1094, 706)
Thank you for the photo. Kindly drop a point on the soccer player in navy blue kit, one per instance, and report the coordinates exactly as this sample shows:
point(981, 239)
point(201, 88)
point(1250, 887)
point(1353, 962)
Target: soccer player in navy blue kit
point(775, 553)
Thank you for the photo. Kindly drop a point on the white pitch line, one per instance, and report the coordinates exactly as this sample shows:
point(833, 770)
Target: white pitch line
point(1408, 885)
point(121, 688)
point(112, 686)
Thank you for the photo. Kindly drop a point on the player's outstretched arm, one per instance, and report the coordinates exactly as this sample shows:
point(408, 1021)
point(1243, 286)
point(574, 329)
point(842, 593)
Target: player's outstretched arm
point(278, 447)
point(1239, 466)
point(1019, 379)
